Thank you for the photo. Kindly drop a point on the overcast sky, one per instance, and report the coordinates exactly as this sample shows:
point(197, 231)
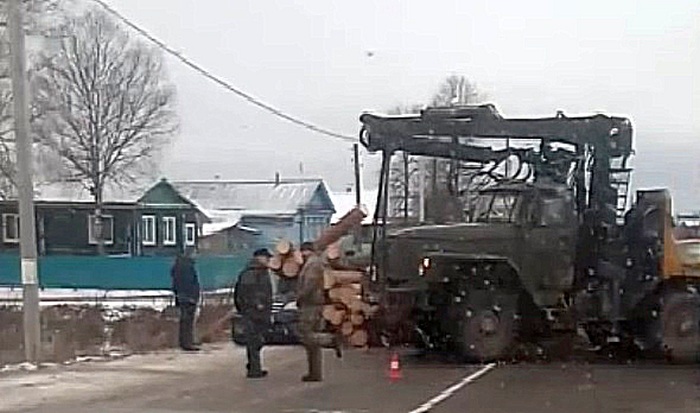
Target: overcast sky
point(309, 58)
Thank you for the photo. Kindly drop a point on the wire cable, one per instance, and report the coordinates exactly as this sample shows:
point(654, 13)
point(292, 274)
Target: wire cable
point(220, 81)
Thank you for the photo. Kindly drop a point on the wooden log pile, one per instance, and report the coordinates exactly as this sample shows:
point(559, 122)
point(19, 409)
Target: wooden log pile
point(345, 311)
point(287, 260)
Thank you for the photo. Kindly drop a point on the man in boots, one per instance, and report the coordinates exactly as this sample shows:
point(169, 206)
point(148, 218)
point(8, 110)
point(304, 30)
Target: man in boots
point(185, 285)
point(310, 301)
point(253, 299)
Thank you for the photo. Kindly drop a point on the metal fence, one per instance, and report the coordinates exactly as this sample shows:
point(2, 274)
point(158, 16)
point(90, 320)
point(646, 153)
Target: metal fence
point(120, 273)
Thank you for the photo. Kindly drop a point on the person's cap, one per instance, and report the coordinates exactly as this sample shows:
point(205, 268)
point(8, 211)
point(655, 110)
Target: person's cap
point(262, 252)
point(307, 246)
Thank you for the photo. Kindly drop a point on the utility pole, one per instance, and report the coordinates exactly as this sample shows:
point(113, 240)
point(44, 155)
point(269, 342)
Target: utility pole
point(356, 150)
point(25, 188)
point(433, 178)
point(421, 190)
point(358, 190)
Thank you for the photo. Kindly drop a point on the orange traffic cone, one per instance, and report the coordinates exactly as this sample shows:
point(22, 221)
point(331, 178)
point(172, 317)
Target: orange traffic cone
point(394, 368)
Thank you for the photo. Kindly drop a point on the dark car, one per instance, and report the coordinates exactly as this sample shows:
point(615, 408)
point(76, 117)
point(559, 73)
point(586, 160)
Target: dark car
point(283, 329)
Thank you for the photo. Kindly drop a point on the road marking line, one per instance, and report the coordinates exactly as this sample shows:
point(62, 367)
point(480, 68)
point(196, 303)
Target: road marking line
point(445, 394)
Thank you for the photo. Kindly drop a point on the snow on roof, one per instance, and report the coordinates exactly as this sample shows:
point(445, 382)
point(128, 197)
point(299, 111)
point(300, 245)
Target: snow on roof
point(76, 192)
point(219, 216)
point(214, 227)
point(211, 228)
point(272, 197)
point(248, 229)
point(345, 201)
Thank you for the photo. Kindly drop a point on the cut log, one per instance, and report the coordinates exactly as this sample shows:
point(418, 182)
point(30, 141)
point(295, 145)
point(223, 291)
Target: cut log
point(345, 294)
point(333, 278)
point(275, 263)
point(357, 319)
point(283, 247)
point(342, 227)
point(359, 306)
point(333, 314)
point(333, 251)
point(298, 257)
point(328, 280)
point(347, 328)
point(358, 338)
point(290, 268)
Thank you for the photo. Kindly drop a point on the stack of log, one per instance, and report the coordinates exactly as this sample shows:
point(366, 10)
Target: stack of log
point(287, 260)
point(344, 225)
point(345, 311)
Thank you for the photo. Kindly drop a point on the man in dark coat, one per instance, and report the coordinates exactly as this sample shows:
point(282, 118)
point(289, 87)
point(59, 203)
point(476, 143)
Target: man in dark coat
point(186, 289)
point(253, 300)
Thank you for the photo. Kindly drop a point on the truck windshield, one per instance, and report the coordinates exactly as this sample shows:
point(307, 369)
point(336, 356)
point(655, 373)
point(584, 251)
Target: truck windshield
point(496, 207)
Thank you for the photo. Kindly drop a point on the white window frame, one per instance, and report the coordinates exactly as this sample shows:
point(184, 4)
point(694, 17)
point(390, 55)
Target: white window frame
point(152, 225)
point(169, 237)
point(5, 217)
point(91, 234)
point(190, 242)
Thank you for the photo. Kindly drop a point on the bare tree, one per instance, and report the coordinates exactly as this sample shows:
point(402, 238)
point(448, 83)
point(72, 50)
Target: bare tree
point(40, 16)
point(457, 90)
point(7, 164)
point(452, 182)
point(104, 103)
point(446, 180)
point(453, 91)
point(403, 175)
point(403, 185)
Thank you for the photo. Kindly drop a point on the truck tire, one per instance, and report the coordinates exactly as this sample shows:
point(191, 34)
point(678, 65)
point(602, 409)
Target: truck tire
point(680, 320)
point(487, 335)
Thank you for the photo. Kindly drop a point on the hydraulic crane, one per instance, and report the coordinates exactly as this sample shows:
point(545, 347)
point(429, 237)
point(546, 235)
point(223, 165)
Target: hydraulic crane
point(540, 252)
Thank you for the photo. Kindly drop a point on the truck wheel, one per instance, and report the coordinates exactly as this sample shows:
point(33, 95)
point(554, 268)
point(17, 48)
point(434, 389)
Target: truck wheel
point(486, 335)
point(681, 327)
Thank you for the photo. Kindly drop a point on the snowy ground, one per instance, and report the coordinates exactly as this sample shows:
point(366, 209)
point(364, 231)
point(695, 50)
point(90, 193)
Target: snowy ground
point(157, 299)
point(27, 367)
point(213, 381)
point(113, 298)
point(115, 305)
point(87, 380)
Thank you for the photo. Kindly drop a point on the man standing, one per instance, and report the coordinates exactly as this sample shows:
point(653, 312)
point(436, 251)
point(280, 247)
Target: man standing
point(186, 288)
point(253, 300)
point(310, 301)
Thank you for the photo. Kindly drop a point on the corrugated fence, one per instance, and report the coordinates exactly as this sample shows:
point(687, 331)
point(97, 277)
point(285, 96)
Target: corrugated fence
point(120, 273)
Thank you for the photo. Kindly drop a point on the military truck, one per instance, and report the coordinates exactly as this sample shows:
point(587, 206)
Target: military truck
point(547, 248)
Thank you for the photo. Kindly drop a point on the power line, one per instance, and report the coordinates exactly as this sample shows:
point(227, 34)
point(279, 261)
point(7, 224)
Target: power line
point(222, 82)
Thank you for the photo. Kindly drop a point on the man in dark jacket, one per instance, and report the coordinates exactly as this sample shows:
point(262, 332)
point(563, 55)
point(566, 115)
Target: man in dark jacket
point(186, 289)
point(253, 300)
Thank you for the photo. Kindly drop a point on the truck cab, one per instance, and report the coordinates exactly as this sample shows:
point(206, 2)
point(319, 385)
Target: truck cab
point(513, 250)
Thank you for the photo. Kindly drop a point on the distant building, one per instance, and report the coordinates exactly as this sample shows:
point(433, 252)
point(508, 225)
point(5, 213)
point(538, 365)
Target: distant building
point(226, 238)
point(158, 221)
point(345, 201)
point(259, 212)
point(687, 226)
point(358, 241)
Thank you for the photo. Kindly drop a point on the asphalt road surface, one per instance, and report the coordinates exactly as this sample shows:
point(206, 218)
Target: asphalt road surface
point(213, 381)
